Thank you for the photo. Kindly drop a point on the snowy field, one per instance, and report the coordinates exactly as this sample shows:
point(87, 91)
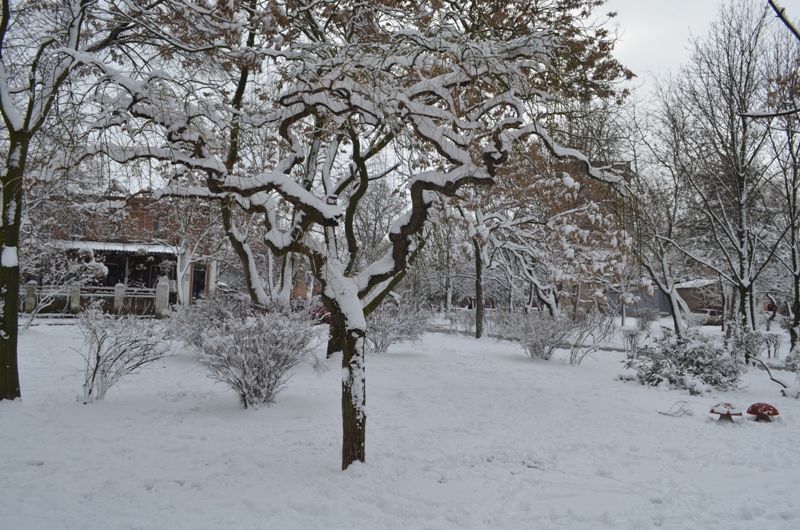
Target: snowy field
point(461, 434)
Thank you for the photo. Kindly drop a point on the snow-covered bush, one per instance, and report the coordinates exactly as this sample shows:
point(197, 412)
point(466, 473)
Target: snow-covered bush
point(244, 347)
point(188, 323)
point(254, 354)
point(773, 341)
point(743, 341)
point(462, 320)
point(537, 332)
point(694, 320)
point(692, 362)
point(792, 361)
point(645, 319)
point(115, 346)
point(491, 319)
point(632, 337)
point(391, 323)
point(466, 320)
point(590, 329)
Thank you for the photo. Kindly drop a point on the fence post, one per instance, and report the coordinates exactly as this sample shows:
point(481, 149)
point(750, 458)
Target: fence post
point(119, 297)
point(162, 296)
point(75, 300)
point(30, 297)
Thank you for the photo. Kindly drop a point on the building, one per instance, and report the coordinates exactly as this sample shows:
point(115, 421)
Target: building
point(139, 240)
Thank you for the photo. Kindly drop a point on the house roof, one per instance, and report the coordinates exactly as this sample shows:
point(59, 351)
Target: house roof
point(695, 284)
point(130, 248)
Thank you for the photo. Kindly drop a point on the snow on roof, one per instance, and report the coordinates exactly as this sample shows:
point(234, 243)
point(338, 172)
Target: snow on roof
point(695, 284)
point(131, 248)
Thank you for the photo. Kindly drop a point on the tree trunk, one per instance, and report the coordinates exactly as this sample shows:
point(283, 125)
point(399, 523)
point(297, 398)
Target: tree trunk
point(254, 287)
point(334, 338)
point(530, 298)
point(11, 183)
point(449, 288)
point(478, 290)
point(794, 335)
point(746, 308)
point(774, 314)
point(286, 281)
point(354, 418)
point(547, 298)
point(675, 307)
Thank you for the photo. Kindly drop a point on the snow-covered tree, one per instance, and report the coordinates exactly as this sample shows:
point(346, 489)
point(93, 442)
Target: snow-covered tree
point(784, 143)
point(447, 87)
point(717, 152)
point(193, 229)
point(41, 45)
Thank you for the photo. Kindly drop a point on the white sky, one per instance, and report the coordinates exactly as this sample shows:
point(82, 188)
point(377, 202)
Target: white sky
point(655, 33)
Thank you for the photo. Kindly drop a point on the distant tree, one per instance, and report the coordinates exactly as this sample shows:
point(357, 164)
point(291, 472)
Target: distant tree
point(784, 144)
point(193, 229)
point(717, 152)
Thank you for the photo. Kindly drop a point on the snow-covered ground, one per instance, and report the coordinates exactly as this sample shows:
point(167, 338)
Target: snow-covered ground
point(461, 434)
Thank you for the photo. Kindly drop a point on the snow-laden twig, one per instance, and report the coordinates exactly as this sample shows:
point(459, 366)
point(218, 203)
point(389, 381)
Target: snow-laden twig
point(678, 409)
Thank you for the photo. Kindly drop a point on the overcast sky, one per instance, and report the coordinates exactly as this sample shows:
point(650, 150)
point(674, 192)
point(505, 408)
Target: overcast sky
point(655, 33)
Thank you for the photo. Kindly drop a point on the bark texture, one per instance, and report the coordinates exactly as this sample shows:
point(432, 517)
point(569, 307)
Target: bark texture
point(11, 183)
point(354, 418)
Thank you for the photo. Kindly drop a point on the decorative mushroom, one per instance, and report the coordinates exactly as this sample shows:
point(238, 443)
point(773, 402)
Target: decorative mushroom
point(763, 411)
point(726, 411)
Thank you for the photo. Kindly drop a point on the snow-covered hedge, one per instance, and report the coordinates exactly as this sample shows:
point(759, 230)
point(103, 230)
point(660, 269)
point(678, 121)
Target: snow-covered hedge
point(590, 330)
point(691, 362)
point(391, 323)
point(645, 319)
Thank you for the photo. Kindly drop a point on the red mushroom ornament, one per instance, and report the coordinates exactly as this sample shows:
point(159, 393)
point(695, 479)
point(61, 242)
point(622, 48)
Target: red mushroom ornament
point(763, 411)
point(726, 411)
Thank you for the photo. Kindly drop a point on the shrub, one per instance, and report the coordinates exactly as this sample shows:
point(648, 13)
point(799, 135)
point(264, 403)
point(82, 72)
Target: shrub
point(692, 362)
point(792, 361)
point(645, 319)
point(694, 320)
point(244, 347)
point(744, 341)
point(188, 323)
point(632, 337)
point(461, 320)
point(115, 346)
point(391, 323)
point(537, 332)
point(589, 330)
point(254, 354)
